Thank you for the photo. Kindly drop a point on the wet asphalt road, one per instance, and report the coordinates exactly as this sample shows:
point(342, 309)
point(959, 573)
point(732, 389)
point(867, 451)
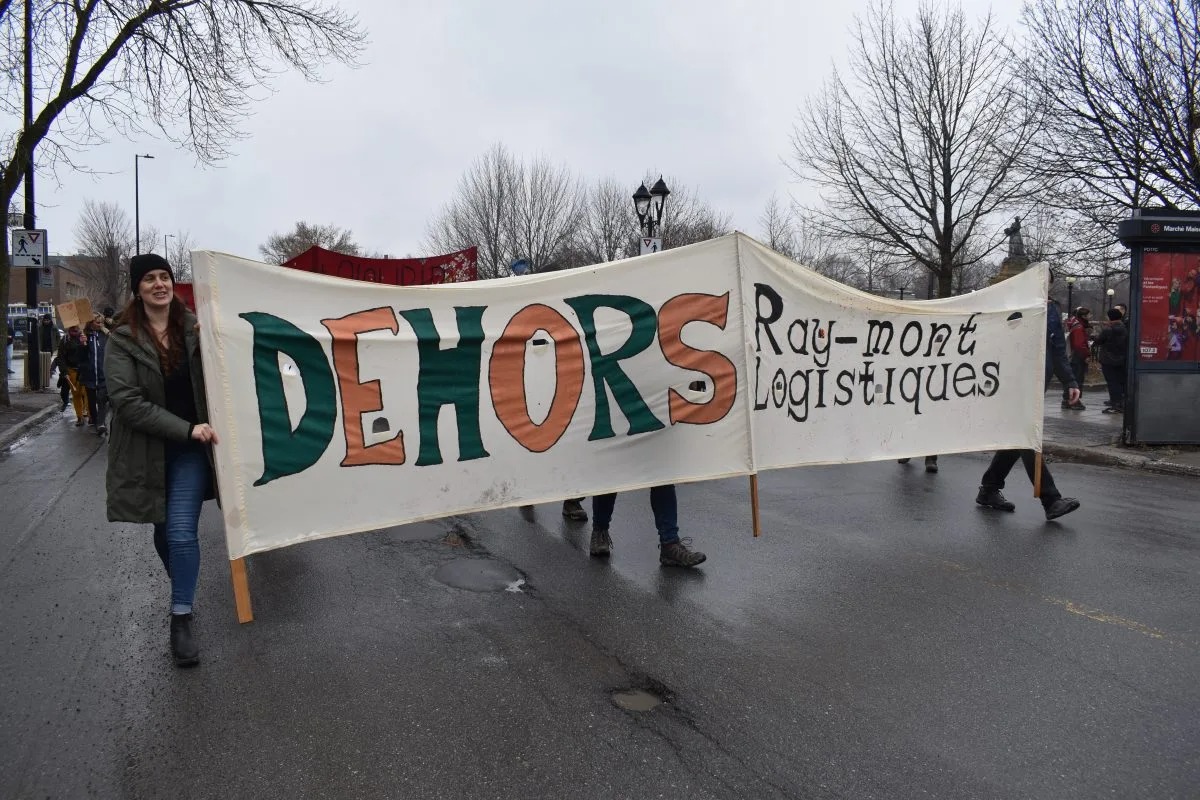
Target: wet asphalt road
point(883, 639)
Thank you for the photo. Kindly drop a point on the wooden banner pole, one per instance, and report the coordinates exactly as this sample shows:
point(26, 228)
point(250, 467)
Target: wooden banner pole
point(241, 590)
point(754, 504)
point(1037, 475)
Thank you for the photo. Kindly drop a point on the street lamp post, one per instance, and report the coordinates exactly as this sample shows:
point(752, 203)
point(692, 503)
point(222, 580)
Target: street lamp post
point(166, 236)
point(1110, 294)
point(1070, 293)
point(137, 221)
point(649, 205)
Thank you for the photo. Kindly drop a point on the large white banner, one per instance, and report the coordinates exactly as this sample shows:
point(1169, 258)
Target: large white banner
point(345, 406)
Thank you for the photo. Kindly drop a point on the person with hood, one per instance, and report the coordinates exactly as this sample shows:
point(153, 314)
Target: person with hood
point(91, 374)
point(159, 467)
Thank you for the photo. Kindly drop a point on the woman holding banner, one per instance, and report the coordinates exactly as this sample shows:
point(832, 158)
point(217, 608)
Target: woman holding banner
point(159, 467)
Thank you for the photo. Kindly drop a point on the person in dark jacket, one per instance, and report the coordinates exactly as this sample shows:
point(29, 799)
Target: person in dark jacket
point(91, 374)
point(159, 469)
point(49, 336)
point(71, 356)
point(1053, 503)
point(1113, 347)
point(8, 347)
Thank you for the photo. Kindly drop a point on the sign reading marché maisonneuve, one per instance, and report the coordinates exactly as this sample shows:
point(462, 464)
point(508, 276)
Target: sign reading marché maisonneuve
point(346, 407)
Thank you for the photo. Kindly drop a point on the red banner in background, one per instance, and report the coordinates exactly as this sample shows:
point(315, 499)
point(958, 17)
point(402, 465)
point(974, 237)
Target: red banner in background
point(184, 292)
point(1170, 304)
point(449, 268)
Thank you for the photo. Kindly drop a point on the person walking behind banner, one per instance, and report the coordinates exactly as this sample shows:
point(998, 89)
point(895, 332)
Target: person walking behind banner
point(91, 375)
point(1113, 344)
point(159, 469)
point(72, 353)
point(931, 464)
point(1054, 504)
point(1080, 351)
point(672, 551)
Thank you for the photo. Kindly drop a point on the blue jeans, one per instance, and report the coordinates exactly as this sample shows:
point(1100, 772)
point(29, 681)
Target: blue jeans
point(662, 503)
point(177, 540)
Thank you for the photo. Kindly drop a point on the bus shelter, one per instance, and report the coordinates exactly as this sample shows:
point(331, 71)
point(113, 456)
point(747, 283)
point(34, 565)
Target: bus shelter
point(1163, 402)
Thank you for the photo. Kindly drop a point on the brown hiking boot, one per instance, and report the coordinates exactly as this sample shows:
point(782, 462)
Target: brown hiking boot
point(678, 554)
point(573, 510)
point(601, 543)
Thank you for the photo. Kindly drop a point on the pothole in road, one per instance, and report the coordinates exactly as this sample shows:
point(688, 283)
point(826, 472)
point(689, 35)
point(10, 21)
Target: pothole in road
point(636, 700)
point(479, 575)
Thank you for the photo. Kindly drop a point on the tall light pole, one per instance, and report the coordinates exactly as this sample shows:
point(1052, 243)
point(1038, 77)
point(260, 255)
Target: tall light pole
point(166, 236)
point(1110, 294)
point(33, 358)
point(137, 221)
point(649, 205)
point(1070, 293)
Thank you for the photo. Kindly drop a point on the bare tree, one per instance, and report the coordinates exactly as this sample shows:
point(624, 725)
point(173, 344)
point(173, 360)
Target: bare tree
point(104, 242)
point(778, 227)
point(1122, 79)
point(919, 146)
point(477, 214)
point(688, 219)
point(511, 209)
point(179, 254)
point(608, 230)
point(281, 247)
point(546, 212)
point(187, 68)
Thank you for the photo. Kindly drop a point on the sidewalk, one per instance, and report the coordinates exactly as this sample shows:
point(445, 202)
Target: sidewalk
point(29, 409)
point(1093, 437)
point(1089, 436)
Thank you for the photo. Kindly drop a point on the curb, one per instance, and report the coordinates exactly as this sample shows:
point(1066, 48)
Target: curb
point(1088, 455)
point(18, 430)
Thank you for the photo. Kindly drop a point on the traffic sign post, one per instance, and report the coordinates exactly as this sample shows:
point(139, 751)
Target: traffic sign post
point(28, 248)
point(651, 244)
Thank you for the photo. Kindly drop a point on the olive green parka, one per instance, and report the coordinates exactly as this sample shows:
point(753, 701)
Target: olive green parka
point(141, 424)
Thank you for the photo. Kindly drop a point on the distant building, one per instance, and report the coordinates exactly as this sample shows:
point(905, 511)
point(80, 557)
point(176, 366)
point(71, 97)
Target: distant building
point(69, 283)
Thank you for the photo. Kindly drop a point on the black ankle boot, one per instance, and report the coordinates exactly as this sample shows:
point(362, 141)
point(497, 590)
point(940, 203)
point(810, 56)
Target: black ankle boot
point(183, 646)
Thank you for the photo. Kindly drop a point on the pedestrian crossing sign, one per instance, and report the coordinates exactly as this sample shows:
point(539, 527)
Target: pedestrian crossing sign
point(28, 248)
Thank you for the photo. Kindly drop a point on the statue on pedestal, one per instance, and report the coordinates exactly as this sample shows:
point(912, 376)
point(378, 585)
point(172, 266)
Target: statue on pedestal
point(1016, 245)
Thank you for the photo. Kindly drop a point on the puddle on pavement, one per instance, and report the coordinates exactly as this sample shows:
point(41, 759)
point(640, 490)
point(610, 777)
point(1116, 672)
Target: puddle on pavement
point(479, 575)
point(636, 700)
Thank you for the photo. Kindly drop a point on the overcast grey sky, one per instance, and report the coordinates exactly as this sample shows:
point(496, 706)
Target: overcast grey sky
point(702, 90)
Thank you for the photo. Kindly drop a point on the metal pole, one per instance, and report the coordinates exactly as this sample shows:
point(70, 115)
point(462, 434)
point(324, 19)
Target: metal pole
point(137, 221)
point(33, 358)
point(1070, 290)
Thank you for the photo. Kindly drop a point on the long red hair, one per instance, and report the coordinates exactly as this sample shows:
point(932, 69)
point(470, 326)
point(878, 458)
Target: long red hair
point(172, 354)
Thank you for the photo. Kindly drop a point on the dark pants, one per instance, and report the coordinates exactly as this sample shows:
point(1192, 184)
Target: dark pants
point(1002, 464)
point(1114, 376)
point(662, 503)
point(1079, 370)
point(97, 405)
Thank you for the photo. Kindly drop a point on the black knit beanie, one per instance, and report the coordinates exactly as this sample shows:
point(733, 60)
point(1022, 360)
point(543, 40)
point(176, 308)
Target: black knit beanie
point(146, 262)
